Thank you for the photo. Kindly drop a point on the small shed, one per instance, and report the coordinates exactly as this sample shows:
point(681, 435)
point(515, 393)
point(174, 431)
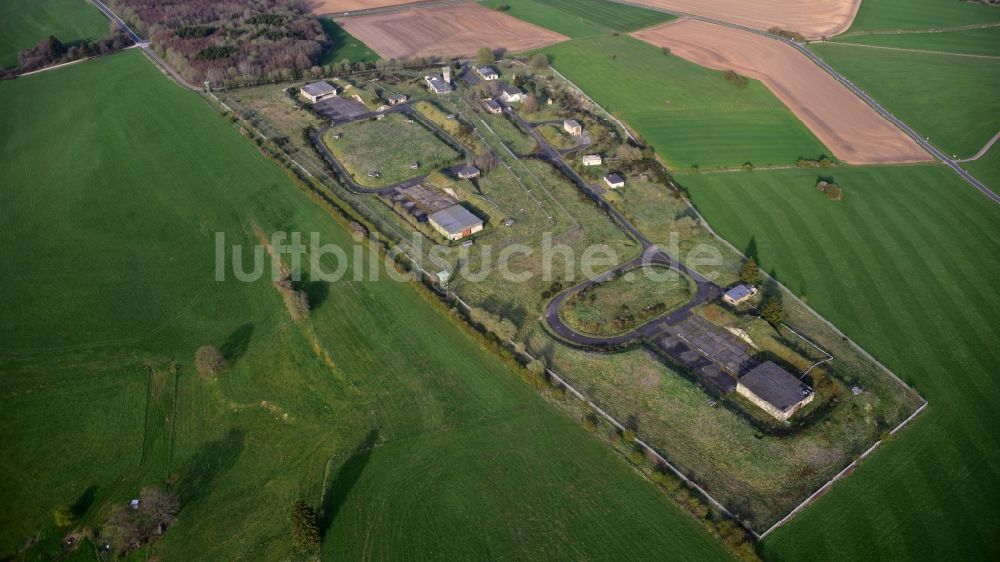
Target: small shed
point(396, 99)
point(467, 172)
point(739, 294)
point(492, 105)
point(573, 127)
point(592, 160)
point(614, 180)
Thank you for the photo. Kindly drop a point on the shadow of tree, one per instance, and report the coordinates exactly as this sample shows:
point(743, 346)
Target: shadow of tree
point(316, 291)
point(214, 459)
point(83, 503)
point(347, 476)
point(237, 343)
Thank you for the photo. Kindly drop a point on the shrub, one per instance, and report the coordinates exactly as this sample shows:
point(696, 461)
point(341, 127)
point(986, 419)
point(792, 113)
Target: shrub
point(64, 516)
point(749, 272)
point(629, 436)
point(305, 530)
point(772, 311)
point(209, 360)
point(635, 456)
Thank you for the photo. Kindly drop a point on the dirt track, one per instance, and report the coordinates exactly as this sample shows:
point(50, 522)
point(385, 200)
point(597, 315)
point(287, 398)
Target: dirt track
point(449, 31)
point(337, 6)
point(850, 128)
point(812, 18)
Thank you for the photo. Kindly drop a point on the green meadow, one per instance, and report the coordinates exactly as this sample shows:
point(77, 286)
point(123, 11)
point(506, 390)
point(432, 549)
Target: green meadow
point(904, 265)
point(581, 18)
point(951, 99)
point(891, 15)
point(981, 42)
point(23, 23)
point(410, 437)
point(344, 45)
point(688, 113)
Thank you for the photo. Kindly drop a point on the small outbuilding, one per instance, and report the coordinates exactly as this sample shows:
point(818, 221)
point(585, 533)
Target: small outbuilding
point(487, 72)
point(511, 94)
point(614, 180)
point(318, 91)
point(455, 222)
point(396, 99)
point(774, 390)
point(467, 172)
point(739, 294)
point(573, 127)
point(592, 160)
point(492, 105)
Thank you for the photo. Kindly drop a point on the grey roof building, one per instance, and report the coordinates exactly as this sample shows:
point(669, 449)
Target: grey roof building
point(775, 390)
point(455, 222)
point(318, 90)
point(739, 294)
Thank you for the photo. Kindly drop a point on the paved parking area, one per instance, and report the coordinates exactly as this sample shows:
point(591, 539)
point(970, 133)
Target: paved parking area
point(340, 109)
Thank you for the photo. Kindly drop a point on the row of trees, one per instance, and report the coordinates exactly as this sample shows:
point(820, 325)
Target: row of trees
point(51, 51)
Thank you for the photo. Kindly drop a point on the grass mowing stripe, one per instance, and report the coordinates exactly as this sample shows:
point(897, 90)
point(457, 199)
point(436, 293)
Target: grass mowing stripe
point(906, 285)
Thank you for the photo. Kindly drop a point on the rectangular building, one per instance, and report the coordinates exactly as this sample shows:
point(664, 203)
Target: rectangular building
point(455, 222)
point(774, 390)
point(318, 91)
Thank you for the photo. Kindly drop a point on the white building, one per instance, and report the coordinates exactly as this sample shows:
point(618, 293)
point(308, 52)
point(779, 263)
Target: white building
point(592, 160)
point(318, 91)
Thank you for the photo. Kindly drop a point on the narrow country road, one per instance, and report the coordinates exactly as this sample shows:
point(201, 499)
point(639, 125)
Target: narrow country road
point(982, 151)
point(930, 148)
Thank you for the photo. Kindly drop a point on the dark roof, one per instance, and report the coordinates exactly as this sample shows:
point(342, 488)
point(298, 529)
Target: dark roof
point(485, 69)
point(455, 219)
point(319, 89)
point(740, 291)
point(614, 178)
point(511, 90)
point(466, 171)
point(775, 385)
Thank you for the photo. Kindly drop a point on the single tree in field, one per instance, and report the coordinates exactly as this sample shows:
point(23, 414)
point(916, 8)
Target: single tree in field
point(749, 272)
point(209, 360)
point(485, 56)
point(305, 531)
point(64, 516)
point(772, 311)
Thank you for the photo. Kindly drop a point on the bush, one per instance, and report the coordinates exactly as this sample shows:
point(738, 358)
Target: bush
point(209, 361)
point(749, 272)
point(636, 457)
point(305, 530)
point(772, 311)
point(64, 516)
point(629, 436)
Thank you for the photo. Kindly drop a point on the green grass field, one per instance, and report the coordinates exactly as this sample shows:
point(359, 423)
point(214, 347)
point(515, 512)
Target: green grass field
point(598, 310)
point(904, 264)
point(344, 46)
point(581, 18)
point(690, 114)
point(388, 147)
point(880, 15)
point(983, 42)
point(413, 439)
point(949, 98)
point(23, 23)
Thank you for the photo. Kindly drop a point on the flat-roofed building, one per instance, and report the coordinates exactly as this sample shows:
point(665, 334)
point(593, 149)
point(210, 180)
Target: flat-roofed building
point(455, 222)
point(774, 390)
point(318, 91)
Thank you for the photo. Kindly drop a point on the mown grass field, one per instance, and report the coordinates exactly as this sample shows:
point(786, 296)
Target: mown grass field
point(987, 168)
point(388, 147)
point(950, 99)
point(23, 23)
point(344, 46)
point(884, 15)
point(581, 18)
point(413, 439)
point(984, 42)
point(904, 265)
point(689, 114)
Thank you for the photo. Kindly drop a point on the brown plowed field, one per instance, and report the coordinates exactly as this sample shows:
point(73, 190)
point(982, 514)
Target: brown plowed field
point(450, 31)
point(812, 18)
point(337, 6)
point(849, 127)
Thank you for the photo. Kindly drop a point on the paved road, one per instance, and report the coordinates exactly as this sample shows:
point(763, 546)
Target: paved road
point(651, 255)
point(933, 150)
point(982, 151)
